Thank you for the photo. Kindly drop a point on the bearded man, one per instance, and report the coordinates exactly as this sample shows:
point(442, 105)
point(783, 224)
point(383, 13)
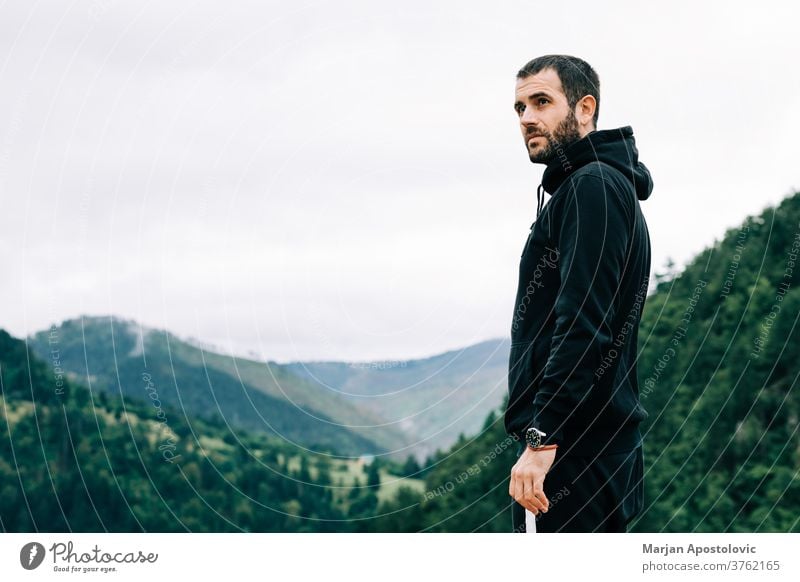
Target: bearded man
point(573, 400)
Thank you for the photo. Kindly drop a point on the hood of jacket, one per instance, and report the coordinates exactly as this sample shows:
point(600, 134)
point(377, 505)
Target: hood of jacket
point(615, 147)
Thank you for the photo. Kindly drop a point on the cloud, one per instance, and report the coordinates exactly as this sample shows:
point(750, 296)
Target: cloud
point(347, 180)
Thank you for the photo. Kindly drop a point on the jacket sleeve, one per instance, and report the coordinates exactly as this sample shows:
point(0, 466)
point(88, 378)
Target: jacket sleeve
point(593, 233)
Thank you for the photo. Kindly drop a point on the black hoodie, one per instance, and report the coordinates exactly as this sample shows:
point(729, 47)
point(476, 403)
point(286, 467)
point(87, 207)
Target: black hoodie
point(583, 279)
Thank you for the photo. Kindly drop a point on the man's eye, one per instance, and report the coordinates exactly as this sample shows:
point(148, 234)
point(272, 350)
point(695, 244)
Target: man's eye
point(542, 101)
point(520, 108)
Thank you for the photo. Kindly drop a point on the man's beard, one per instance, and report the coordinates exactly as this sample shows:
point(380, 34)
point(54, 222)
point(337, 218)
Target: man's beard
point(564, 134)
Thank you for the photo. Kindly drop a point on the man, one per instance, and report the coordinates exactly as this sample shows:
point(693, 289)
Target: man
point(573, 391)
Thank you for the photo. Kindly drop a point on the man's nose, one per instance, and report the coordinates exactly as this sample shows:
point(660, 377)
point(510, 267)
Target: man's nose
point(529, 118)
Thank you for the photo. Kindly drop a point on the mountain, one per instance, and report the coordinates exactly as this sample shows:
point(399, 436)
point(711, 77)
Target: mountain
point(718, 374)
point(432, 400)
point(75, 460)
point(119, 357)
point(397, 408)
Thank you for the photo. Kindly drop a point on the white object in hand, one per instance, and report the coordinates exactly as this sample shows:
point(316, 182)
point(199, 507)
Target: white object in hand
point(530, 522)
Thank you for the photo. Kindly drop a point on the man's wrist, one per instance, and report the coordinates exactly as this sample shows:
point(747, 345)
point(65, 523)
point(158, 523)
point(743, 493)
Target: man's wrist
point(545, 419)
point(543, 448)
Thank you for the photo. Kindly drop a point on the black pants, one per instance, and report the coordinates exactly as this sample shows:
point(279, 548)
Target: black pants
point(588, 494)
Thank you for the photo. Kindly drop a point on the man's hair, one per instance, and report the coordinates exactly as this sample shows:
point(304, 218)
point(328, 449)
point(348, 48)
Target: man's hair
point(578, 78)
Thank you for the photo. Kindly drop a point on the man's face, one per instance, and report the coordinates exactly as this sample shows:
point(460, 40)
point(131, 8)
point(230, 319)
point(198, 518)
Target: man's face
point(545, 118)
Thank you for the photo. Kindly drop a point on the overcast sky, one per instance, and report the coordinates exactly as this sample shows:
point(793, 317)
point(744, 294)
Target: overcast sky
point(346, 180)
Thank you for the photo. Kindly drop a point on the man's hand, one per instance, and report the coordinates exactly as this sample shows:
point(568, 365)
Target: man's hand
point(527, 479)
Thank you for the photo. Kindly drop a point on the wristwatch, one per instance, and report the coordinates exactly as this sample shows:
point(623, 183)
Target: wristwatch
point(533, 436)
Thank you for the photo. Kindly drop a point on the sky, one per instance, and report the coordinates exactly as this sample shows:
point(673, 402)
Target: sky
point(346, 180)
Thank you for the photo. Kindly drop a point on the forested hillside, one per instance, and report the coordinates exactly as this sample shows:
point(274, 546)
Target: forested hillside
point(119, 356)
point(74, 460)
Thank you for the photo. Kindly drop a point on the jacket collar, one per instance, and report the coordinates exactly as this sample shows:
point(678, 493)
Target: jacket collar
point(615, 147)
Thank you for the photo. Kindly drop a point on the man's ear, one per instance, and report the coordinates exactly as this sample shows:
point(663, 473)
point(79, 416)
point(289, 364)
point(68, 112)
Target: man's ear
point(584, 112)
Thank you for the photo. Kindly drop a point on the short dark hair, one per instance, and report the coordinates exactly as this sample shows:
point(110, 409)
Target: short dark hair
point(578, 78)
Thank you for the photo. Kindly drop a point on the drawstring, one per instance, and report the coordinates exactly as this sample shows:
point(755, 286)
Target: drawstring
point(539, 199)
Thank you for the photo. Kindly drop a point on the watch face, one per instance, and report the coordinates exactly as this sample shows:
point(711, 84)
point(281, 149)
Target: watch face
point(533, 438)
